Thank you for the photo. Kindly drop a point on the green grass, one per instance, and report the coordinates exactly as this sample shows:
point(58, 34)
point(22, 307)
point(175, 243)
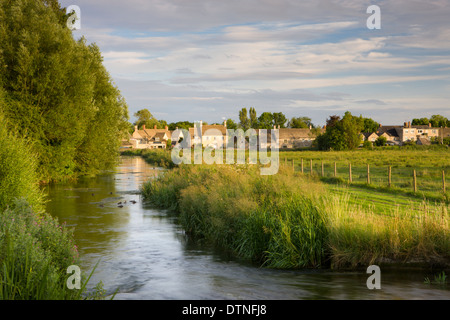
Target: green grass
point(428, 163)
point(290, 220)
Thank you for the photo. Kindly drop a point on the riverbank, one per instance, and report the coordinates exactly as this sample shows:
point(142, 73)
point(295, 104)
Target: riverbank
point(293, 221)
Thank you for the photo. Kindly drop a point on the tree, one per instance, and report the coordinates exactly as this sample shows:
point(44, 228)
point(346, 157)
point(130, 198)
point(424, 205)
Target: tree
point(341, 134)
point(181, 125)
point(265, 121)
point(57, 91)
point(244, 121)
point(420, 122)
point(439, 121)
point(279, 119)
point(231, 124)
point(370, 125)
point(144, 117)
point(253, 118)
point(300, 122)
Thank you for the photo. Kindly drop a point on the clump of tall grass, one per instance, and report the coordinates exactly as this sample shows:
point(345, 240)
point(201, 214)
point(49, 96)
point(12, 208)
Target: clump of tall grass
point(270, 219)
point(34, 254)
point(362, 236)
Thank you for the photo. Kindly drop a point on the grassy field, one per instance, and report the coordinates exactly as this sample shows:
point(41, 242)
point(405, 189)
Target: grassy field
point(292, 220)
point(428, 163)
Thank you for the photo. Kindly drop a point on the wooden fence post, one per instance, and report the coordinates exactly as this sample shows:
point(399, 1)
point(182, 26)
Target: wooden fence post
point(350, 172)
point(443, 181)
point(302, 165)
point(323, 173)
point(368, 174)
point(293, 166)
point(311, 167)
point(389, 176)
point(335, 171)
point(414, 181)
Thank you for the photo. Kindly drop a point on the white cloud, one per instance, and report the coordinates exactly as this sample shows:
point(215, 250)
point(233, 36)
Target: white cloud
point(202, 55)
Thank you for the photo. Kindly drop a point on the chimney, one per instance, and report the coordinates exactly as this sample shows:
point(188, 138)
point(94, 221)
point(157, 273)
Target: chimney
point(381, 125)
point(405, 124)
point(143, 127)
point(310, 127)
point(167, 128)
point(135, 128)
point(409, 124)
point(278, 126)
point(225, 123)
point(429, 124)
point(154, 127)
point(274, 126)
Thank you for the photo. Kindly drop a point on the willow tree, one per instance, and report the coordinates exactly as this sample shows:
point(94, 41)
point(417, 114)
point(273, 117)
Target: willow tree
point(57, 91)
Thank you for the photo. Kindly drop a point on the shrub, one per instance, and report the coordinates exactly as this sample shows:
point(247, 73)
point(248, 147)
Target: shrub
point(34, 254)
point(18, 177)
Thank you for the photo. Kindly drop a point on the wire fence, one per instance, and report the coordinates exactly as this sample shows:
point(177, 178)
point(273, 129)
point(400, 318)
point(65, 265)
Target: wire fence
point(409, 178)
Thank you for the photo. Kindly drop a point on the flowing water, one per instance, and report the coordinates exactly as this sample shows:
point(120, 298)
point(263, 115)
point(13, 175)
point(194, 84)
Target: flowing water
point(144, 254)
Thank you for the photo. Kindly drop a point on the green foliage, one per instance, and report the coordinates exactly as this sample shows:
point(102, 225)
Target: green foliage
point(34, 255)
point(342, 134)
point(300, 122)
point(231, 124)
point(380, 141)
point(265, 120)
point(18, 178)
point(144, 117)
point(367, 145)
point(57, 91)
point(253, 118)
point(279, 119)
point(290, 221)
point(244, 121)
point(370, 125)
point(181, 125)
point(271, 220)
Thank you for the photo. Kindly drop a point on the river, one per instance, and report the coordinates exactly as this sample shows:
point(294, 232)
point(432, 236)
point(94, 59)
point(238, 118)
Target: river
point(144, 254)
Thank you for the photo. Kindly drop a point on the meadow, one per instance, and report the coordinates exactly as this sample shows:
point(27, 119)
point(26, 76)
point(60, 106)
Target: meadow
point(295, 220)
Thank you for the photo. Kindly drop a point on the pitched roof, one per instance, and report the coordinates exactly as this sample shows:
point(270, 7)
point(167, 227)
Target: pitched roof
point(295, 133)
point(368, 134)
point(392, 131)
point(423, 141)
point(219, 127)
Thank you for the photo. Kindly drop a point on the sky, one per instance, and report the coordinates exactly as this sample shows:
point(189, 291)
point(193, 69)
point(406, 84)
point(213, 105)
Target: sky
point(190, 60)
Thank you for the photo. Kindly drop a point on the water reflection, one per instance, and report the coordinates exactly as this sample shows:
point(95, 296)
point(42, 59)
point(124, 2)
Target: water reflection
point(145, 254)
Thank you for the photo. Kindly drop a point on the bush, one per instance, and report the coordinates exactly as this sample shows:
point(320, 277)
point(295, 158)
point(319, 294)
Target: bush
point(34, 254)
point(18, 177)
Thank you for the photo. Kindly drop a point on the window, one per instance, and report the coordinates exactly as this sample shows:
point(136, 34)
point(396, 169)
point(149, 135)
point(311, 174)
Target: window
point(406, 131)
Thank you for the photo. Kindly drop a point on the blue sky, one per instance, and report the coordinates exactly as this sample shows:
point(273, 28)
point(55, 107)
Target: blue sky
point(207, 59)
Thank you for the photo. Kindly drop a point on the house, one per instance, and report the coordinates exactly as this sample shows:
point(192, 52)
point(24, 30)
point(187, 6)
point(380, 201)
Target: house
point(369, 136)
point(391, 133)
point(209, 135)
point(294, 138)
point(413, 133)
point(150, 138)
